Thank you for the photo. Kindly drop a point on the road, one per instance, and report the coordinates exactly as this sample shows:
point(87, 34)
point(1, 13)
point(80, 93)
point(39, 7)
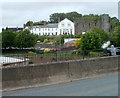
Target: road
point(106, 85)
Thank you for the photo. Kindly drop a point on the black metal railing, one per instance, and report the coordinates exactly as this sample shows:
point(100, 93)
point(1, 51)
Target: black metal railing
point(54, 56)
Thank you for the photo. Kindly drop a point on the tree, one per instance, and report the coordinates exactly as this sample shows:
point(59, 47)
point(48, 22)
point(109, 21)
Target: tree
point(8, 38)
point(25, 39)
point(55, 17)
point(0, 40)
point(29, 23)
point(42, 38)
point(73, 15)
point(90, 40)
point(114, 23)
point(104, 36)
point(77, 35)
point(116, 37)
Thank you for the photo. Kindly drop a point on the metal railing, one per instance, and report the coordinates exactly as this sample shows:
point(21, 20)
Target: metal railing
point(26, 59)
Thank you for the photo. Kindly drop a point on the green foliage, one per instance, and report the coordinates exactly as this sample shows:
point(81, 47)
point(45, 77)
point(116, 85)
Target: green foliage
point(57, 40)
point(104, 36)
point(29, 23)
point(90, 40)
point(96, 54)
point(0, 40)
point(77, 35)
point(55, 17)
point(116, 36)
point(30, 62)
point(8, 38)
point(25, 39)
point(42, 38)
point(114, 23)
point(93, 39)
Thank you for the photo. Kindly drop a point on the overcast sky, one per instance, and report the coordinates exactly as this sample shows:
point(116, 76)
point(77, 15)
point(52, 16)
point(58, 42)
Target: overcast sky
point(17, 13)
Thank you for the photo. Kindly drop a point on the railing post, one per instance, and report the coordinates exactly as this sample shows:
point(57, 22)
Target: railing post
point(56, 55)
point(24, 59)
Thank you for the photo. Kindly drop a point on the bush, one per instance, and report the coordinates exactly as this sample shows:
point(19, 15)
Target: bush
point(95, 54)
point(47, 50)
point(30, 52)
point(30, 62)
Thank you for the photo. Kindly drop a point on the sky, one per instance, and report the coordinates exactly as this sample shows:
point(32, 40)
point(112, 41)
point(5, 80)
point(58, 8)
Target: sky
point(15, 13)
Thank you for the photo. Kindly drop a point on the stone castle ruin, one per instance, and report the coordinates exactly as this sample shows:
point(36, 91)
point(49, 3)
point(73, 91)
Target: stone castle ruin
point(86, 24)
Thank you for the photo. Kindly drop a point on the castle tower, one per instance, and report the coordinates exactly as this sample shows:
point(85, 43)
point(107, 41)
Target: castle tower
point(105, 22)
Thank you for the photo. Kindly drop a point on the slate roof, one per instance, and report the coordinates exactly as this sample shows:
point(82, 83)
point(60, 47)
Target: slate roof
point(47, 26)
point(14, 29)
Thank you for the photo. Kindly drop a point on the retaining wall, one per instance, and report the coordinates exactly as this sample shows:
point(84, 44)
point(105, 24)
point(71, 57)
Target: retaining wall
point(56, 72)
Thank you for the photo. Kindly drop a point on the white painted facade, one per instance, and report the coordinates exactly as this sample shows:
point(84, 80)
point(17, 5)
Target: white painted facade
point(64, 27)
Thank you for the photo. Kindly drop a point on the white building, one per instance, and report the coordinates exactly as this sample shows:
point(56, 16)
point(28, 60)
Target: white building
point(64, 27)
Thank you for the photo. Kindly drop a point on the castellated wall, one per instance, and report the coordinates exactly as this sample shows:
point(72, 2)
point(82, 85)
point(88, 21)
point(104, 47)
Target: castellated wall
point(86, 24)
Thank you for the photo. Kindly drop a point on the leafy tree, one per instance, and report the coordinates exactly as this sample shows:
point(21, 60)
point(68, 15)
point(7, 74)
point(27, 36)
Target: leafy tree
point(60, 16)
point(89, 41)
point(116, 37)
point(25, 39)
point(0, 40)
point(42, 38)
point(40, 23)
point(114, 23)
point(91, 16)
point(29, 23)
point(104, 36)
point(57, 39)
point(73, 15)
point(55, 17)
point(8, 38)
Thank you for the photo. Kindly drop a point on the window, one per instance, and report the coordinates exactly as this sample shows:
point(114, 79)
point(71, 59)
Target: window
point(56, 33)
point(71, 31)
point(62, 25)
point(83, 25)
point(48, 29)
point(35, 29)
point(60, 31)
point(69, 24)
point(39, 33)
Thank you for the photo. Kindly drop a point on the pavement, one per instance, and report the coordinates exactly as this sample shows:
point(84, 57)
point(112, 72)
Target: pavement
point(106, 85)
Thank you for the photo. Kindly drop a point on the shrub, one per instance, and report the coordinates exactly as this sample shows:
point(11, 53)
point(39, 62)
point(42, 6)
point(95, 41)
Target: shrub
point(30, 52)
point(47, 50)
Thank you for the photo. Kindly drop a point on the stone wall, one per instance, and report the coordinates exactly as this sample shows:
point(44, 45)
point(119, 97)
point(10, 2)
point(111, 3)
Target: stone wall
point(86, 24)
point(56, 72)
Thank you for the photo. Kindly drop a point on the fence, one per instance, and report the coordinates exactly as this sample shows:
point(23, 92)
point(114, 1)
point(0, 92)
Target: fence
point(26, 59)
